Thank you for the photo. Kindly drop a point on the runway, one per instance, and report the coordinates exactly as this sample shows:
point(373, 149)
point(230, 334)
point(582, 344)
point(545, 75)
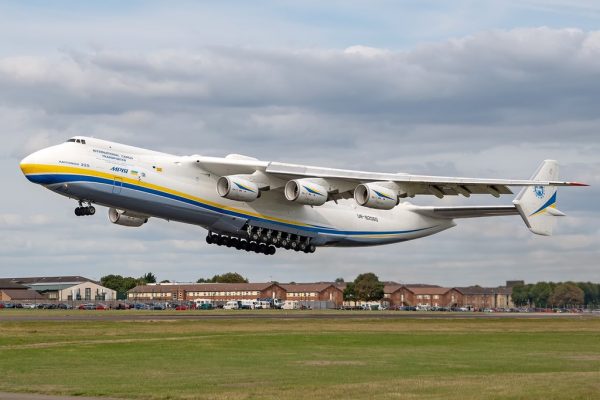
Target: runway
point(279, 314)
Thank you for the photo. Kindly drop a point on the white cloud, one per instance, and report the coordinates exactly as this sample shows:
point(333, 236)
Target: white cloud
point(490, 104)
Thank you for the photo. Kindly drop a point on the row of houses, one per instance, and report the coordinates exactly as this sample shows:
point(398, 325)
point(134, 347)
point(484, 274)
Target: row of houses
point(395, 294)
point(78, 288)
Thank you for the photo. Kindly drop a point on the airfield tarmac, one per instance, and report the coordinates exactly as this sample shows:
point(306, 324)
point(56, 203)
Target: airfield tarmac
point(133, 315)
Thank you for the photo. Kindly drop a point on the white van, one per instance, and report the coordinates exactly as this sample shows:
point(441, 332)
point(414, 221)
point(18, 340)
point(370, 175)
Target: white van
point(232, 305)
point(290, 305)
point(262, 304)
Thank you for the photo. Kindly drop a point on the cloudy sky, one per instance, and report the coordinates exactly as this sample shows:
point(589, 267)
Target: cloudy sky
point(470, 88)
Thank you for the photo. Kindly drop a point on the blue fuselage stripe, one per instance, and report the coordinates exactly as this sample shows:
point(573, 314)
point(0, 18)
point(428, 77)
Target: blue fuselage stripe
point(50, 179)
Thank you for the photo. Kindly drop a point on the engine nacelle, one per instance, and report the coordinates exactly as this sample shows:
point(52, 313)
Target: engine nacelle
point(375, 196)
point(304, 191)
point(125, 219)
point(236, 188)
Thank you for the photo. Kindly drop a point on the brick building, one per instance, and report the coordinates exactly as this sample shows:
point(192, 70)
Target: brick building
point(478, 297)
point(222, 292)
point(397, 295)
point(314, 292)
point(217, 292)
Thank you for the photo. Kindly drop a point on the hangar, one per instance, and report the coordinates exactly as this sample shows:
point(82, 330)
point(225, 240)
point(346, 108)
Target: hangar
point(60, 288)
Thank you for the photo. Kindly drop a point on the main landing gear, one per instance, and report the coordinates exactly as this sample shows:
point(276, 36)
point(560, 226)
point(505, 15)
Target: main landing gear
point(87, 210)
point(263, 241)
point(240, 244)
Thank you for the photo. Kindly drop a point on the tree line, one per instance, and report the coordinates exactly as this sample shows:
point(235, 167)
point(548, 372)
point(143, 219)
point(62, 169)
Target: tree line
point(561, 294)
point(122, 284)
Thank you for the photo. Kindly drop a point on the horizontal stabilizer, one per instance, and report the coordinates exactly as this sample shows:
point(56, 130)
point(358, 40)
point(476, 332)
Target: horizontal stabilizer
point(467, 212)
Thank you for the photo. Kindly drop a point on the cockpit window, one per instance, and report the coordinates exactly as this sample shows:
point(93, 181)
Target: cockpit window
point(82, 141)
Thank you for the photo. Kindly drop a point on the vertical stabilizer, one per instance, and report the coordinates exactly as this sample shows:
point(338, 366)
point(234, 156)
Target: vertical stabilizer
point(537, 204)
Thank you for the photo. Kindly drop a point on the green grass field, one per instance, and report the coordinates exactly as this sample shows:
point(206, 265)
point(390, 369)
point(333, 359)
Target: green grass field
point(233, 358)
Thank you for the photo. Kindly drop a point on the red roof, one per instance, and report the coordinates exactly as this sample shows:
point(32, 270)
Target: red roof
point(307, 287)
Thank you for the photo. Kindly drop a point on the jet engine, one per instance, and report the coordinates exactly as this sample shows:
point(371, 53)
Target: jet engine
point(304, 191)
point(234, 187)
point(375, 196)
point(126, 218)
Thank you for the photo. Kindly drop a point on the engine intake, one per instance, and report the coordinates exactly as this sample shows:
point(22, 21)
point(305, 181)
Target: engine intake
point(236, 188)
point(304, 191)
point(125, 218)
point(375, 196)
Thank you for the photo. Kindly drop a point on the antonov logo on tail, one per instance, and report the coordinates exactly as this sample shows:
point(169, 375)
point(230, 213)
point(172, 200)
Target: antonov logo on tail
point(272, 209)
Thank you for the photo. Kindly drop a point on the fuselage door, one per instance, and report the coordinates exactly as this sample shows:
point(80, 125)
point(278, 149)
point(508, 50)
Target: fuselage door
point(117, 185)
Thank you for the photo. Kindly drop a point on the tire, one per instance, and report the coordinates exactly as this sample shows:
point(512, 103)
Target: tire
point(78, 212)
point(92, 210)
point(209, 239)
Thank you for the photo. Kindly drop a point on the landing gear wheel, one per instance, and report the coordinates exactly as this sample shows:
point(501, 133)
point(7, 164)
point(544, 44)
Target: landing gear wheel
point(91, 210)
point(209, 239)
point(272, 250)
point(312, 248)
point(78, 211)
point(262, 248)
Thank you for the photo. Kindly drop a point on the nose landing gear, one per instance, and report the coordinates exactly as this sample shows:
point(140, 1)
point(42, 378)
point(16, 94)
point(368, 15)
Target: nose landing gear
point(87, 210)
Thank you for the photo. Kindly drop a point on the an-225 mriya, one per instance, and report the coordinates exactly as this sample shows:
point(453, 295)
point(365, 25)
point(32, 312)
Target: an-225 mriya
point(259, 206)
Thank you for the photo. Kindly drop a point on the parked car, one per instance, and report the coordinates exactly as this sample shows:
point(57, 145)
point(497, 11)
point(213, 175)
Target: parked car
point(205, 306)
point(101, 306)
point(87, 306)
point(182, 307)
point(2, 305)
point(64, 306)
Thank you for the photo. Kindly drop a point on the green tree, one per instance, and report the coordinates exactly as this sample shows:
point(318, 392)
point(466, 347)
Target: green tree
point(148, 277)
point(567, 294)
point(228, 277)
point(114, 282)
point(367, 287)
point(339, 280)
point(120, 284)
point(349, 292)
point(520, 295)
point(129, 283)
point(540, 293)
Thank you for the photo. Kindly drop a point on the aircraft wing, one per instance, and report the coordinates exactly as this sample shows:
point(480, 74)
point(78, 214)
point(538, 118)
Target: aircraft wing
point(341, 182)
point(410, 185)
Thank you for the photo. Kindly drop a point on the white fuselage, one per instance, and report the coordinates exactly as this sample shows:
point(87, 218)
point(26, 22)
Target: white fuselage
point(153, 184)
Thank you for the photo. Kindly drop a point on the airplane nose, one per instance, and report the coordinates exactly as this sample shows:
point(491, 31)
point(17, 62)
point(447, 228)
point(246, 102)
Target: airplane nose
point(27, 164)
